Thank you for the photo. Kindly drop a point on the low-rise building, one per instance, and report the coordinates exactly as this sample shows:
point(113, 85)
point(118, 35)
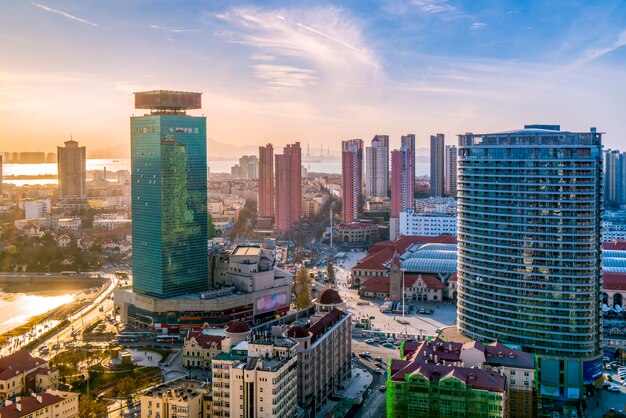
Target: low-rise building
point(201, 347)
point(357, 232)
point(69, 224)
point(181, 398)
point(48, 404)
point(494, 377)
point(21, 373)
point(429, 224)
point(112, 224)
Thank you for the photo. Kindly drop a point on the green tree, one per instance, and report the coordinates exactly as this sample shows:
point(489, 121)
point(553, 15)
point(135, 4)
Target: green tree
point(302, 288)
point(125, 387)
point(210, 226)
point(89, 407)
point(330, 271)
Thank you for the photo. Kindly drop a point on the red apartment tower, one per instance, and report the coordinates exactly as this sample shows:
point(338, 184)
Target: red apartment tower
point(266, 183)
point(403, 176)
point(288, 186)
point(352, 173)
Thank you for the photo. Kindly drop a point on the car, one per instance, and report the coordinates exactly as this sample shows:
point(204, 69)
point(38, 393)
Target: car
point(369, 341)
point(388, 345)
point(574, 414)
point(606, 385)
point(381, 388)
point(613, 389)
point(378, 371)
point(605, 358)
point(378, 359)
point(556, 415)
point(376, 329)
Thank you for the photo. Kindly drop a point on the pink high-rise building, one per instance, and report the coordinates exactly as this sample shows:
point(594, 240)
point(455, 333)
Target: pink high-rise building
point(265, 208)
point(288, 189)
point(402, 181)
point(352, 173)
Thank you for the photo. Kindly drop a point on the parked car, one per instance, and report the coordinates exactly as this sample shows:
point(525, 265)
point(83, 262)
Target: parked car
point(613, 389)
point(381, 388)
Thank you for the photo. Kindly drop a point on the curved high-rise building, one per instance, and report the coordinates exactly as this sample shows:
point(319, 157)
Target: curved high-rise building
point(529, 249)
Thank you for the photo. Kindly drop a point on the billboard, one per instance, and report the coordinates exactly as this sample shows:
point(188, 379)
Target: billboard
point(272, 302)
point(592, 370)
point(167, 99)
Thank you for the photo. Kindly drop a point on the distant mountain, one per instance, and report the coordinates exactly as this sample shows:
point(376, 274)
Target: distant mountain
point(220, 151)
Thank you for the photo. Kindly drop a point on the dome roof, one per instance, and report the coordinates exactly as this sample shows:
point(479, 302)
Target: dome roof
point(329, 297)
point(237, 327)
point(297, 332)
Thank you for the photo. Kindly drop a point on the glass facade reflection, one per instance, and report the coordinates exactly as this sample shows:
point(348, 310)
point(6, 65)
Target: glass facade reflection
point(529, 242)
point(169, 204)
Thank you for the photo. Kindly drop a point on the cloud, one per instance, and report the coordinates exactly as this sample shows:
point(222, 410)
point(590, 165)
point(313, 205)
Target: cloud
point(305, 45)
point(434, 6)
point(477, 25)
point(64, 14)
point(595, 53)
point(284, 76)
point(173, 30)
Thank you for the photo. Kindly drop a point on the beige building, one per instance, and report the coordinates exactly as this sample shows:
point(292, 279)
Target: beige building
point(179, 399)
point(21, 373)
point(48, 404)
point(256, 379)
point(324, 353)
point(200, 348)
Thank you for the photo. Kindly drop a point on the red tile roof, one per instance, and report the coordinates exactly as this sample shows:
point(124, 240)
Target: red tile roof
point(614, 281)
point(19, 362)
point(476, 378)
point(431, 282)
point(205, 341)
point(453, 277)
point(30, 404)
point(381, 252)
point(321, 326)
point(376, 284)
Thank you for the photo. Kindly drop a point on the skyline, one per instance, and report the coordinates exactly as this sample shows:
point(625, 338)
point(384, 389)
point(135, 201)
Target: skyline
point(317, 73)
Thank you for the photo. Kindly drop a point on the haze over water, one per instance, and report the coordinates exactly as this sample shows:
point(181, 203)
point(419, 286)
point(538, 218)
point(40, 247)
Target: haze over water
point(17, 308)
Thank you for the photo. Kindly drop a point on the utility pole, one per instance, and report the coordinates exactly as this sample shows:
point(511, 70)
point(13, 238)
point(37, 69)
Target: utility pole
point(331, 225)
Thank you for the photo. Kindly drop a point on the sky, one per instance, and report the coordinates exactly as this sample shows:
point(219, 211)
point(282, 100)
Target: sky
point(317, 72)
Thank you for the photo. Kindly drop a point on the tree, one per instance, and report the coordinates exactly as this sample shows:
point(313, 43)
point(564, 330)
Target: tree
point(88, 407)
point(330, 271)
point(302, 288)
point(210, 226)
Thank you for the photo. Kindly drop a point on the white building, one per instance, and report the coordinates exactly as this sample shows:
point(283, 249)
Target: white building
point(257, 379)
point(184, 398)
point(111, 224)
point(72, 224)
point(432, 224)
point(36, 208)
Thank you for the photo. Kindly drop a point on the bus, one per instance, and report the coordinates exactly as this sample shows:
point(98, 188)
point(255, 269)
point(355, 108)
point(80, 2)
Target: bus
point(168, 338)
point(68, 273)
point(128, 338)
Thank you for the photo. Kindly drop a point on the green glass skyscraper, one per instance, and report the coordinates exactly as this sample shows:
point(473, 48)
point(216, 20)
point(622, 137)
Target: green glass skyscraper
point(169, 195)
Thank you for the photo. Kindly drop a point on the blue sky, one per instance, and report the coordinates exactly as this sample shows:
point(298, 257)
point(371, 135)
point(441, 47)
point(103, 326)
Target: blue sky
point(314, 71)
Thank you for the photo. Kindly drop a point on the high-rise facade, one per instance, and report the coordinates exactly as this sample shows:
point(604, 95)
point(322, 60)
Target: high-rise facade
point(266, 182)
point(72, 169)
point(352, 178)
point(169, 195)
point(614, 178)
point(288, 177)
point(437, 144)
point(377, 167)
point(529, 249)
point(450, 170)
point(402, 182)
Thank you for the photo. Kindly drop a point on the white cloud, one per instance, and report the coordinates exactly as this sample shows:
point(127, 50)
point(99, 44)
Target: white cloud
point(477, 25)
point(322, 43)
point(173, 30)
point(64, 14)
point(595, 53)
point(434, 6)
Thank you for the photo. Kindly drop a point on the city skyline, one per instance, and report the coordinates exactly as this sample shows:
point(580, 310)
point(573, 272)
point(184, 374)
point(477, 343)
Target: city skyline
point(315, 73)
